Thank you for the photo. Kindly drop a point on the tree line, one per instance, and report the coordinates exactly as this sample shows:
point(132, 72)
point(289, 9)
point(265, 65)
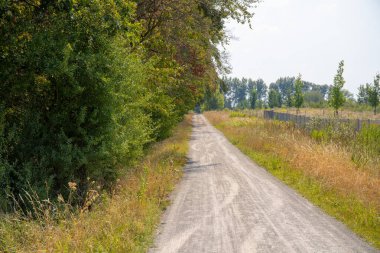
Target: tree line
point(246, 93)
point(369, 94)
point(87, 85)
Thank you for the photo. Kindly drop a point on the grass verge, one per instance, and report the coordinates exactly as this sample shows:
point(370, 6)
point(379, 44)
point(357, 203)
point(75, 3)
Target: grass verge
point(324, 174)
point(124, 221)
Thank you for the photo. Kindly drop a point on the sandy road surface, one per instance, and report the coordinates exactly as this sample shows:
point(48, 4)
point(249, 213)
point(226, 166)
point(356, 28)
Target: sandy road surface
point(226, 203)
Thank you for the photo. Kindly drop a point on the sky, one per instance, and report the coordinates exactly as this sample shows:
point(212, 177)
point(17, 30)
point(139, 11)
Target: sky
point(289, 37)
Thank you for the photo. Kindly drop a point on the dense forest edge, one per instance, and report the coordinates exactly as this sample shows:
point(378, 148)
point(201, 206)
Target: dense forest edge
point(87, 86)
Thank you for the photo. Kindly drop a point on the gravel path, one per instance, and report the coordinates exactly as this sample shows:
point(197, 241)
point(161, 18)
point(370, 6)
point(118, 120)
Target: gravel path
point(227, 203)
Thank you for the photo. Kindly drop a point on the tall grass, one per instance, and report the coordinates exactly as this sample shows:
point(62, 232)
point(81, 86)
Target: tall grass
point(348, 113)
point(363, 145)
point(123, 220)
point(324, 172)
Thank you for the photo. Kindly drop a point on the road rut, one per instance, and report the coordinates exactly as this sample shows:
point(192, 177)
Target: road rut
point(227, 203)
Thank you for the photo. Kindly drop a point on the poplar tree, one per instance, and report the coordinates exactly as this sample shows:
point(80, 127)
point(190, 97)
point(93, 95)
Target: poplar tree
point(298, 96)
point(336, 96)
point(253, 98)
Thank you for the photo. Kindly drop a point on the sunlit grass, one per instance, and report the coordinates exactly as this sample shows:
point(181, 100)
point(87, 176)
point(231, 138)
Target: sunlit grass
point(329, 112)
point(323, 173)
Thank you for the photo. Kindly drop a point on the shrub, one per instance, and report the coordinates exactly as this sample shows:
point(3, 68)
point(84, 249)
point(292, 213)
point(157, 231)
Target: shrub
point(72, 94)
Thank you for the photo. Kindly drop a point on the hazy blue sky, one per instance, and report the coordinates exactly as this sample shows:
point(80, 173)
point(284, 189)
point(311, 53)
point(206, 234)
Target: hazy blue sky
point(309, 37)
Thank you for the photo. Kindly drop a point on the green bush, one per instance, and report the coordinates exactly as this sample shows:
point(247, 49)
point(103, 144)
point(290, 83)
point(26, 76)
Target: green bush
point(72, 94)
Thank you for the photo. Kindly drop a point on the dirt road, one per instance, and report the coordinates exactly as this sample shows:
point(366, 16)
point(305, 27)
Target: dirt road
point(227, 203)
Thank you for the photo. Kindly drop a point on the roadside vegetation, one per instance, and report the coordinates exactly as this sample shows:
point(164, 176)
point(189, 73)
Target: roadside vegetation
point(345, 113)
point(86, 89)
point(122, 220)
point(335, 168)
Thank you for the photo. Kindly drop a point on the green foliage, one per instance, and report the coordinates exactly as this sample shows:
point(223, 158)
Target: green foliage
point(86, 86)
point(318, 135)
point(213, 100)
point(373, 93)
point(314, 99)
point(253, 98)
point(298, 96)
point(237, 91)
point(274, 98)
point(336, 96)
point(363, 94)
point(72, 100)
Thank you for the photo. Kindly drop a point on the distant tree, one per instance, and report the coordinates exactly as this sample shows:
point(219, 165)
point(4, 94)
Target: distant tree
point(363, 94)
point(374, 93)
point(214, 100)
point(286, 89)
point(261, 89)
point(313, 98)
point(227, 103)
point(298, 95)
point(278, 98)
point(235, 91)
point(274, 98)
point(288, 98)
point(348, 95)
point(324, 89)
point(253, 98)
point(336, 95)
point(238, 91)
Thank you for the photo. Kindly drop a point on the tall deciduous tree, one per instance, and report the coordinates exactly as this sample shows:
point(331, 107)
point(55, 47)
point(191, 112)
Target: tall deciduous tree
point(298, 95)
point(363, 94)
point(253, 98)
point(274, 98)
point(336, 95)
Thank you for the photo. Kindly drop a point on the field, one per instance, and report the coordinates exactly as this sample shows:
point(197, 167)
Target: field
point(328, 112)
point(121, 221)
point(322, 171)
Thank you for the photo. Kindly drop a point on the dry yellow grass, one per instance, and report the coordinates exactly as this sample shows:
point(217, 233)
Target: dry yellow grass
point(329, 163)
point(329, 112)
point(324, 173)
point(123, 221)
